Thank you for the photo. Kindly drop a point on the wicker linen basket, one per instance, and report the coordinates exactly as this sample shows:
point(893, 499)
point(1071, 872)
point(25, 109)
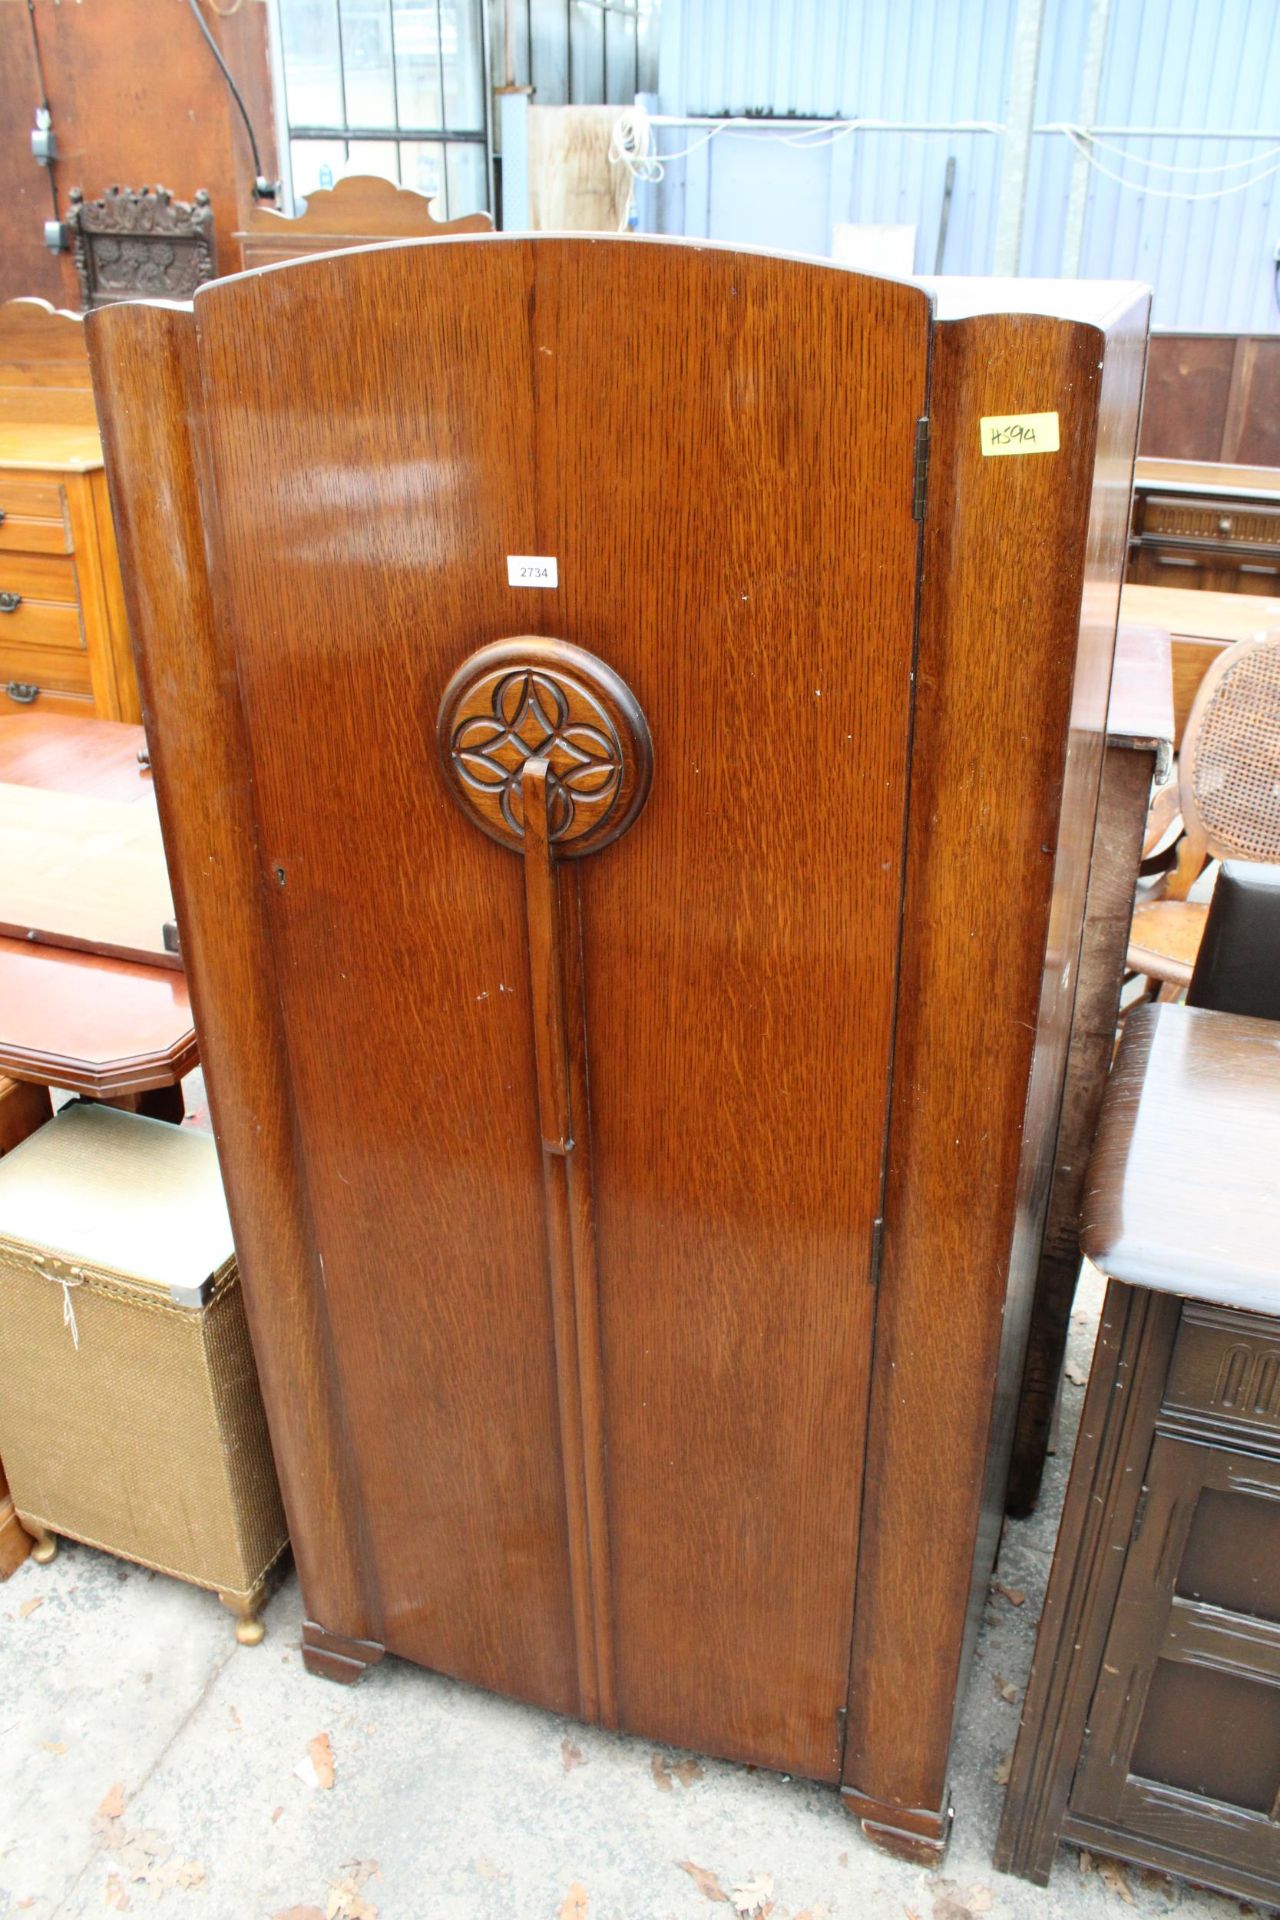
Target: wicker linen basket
point(130, 1416)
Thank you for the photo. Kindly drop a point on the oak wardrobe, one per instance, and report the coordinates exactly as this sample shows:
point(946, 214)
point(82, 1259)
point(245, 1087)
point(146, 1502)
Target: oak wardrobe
point(627, 719)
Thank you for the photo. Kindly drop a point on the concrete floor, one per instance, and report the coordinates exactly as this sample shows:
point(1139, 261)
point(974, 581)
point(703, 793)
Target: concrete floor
point(123, 1690)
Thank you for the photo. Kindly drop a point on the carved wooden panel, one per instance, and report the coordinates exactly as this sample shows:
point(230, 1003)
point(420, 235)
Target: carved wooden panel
point(517, 700)
point(356, 212)
point(140, 243)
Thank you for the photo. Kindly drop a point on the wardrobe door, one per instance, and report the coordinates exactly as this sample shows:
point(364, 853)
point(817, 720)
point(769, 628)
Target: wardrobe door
point(571, 586)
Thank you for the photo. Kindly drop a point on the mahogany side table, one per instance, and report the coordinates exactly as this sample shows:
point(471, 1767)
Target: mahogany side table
point(113, 1030)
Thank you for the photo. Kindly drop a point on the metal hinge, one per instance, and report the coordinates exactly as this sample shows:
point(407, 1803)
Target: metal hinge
point(921, 483)
point(1140, 1514)
point(877, 1248)
point(842, 1730)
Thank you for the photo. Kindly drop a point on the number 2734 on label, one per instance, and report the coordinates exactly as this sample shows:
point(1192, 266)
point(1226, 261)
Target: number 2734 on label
point(532, 570)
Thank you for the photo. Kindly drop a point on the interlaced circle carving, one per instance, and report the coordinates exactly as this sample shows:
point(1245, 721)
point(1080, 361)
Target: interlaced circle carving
point(536, 716)
point(535, 698)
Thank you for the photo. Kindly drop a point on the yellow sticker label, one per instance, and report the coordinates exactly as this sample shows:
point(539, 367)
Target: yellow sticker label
point(1019, 433)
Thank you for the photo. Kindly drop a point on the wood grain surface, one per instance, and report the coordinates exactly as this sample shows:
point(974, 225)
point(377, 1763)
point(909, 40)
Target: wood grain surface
point(1023, 561)
point(739, 952)
point(93, 757)
point(354, 212)
point(1205, 476)
point(140, 100)
point(93, 1026)
point(720, 1261)
point(147, 387)
point(1188, 615)
point(719, 450)
point(1187, 389)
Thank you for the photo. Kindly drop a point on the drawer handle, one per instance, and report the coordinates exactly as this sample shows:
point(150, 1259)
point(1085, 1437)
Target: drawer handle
point(22, 691)
point(1, 516)
point(10, 602)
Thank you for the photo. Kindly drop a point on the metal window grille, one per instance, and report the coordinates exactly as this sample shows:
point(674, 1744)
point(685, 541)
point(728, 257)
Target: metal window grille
point(392, 87)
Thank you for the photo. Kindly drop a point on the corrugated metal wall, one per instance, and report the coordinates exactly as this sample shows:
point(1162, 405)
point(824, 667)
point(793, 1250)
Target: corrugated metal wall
point(929, 61)
point(1190, 64)
point(1187, 64)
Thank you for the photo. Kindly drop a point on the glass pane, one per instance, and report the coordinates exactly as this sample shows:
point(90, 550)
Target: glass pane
point(373, 156)
point(316, 163)
point(468, 178)
point(418, 63)
point(463, 64)
point(422, 168)
point(366, 50)
point(312, 63)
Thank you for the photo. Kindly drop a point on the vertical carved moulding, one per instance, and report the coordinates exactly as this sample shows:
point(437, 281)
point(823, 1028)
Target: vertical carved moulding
point(546, 749)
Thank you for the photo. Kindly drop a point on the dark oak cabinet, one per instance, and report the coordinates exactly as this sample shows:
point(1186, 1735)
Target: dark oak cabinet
point(1151, 1728)
point(1225, 542)
point(628, 751)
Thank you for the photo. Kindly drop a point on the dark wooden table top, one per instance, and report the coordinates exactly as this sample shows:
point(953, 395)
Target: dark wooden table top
point(95, 758)
point(1183, 1190)
point(1140, 710)
point(93, 1025)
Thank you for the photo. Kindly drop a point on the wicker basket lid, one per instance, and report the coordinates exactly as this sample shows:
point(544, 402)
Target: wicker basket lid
point(119, 1193)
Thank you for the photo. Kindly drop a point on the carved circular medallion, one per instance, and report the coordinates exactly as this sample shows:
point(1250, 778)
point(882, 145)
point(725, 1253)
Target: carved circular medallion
point(530, 698)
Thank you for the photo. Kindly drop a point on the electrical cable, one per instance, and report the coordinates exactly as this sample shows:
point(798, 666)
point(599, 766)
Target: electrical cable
point(1168, 166)
point(236, 95)
point(631, 145)
point(42, 104)
point(1166, 193)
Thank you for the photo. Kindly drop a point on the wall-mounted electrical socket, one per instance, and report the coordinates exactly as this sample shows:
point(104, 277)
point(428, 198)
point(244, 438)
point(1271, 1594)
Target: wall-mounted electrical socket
point(44, 141)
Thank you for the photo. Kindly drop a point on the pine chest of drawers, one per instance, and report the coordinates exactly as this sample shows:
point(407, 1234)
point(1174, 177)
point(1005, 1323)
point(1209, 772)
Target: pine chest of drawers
point(64, 644)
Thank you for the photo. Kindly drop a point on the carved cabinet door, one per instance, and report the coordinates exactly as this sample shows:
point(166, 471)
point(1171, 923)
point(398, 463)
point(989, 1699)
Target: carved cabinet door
point(571, 588)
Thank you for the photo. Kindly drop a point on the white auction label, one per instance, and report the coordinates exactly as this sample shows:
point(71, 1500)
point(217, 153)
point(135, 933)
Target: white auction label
point(532, 570)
